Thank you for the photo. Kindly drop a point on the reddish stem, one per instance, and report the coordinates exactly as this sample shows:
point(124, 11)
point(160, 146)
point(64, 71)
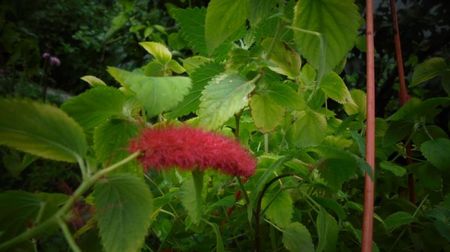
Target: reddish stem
point(369, 189)
point(403, 91)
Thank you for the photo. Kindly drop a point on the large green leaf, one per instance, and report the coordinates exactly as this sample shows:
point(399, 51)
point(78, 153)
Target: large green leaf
point(157, 94)
point(259, 10)
point(309, 129)
point(20, 209)
point(224, 96)
point(223, 19)
point(123, 208)
point(281, 58)
point(334, 87)
point(266, 113)
point(337, 21)
point(336, 171)
point(111, 139)
point(397, 220)
point(192, 24)
point(427, 70)
point(41, 129)
point(279, 207)
point(200, 77)
point(94, 106)
point(327, 229)
point(296, 238)
point(437, 152)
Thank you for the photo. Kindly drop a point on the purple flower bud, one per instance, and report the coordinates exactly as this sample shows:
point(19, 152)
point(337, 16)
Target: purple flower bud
point(54, 61)
point(45, 55)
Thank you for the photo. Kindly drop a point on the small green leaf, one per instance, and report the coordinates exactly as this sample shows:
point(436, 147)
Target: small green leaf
point(224, 96)
point(427, 70)
point(336, 20)
point(193, 63)
point(266, 113)
point(157, 94)
point(200, 78)
point(327, 229)
point(93, 81)
point(395, 169)
point(41, 129)
point(359, 105)
point(174, 66)
point(223, 19)
point(111, 139)
point(282, 59)
point(157, 50)
point(309, 129)
point(123, 205)
point(192, 200)
point(397, 220)
point(95, 106)
point(278, 207)
point(437, 151)
point(296, 238)
point(334, 87)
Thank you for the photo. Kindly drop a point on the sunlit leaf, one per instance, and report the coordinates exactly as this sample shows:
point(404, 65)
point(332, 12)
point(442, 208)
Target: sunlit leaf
point(41, 129)
point(224, 96)
point(157, 50)
point(266, 113)
point(309, 129)
point(334, 87)
point(93, 81)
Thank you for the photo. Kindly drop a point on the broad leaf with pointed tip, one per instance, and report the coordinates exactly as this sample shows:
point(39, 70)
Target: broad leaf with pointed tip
point(157, 94)
point(224, 96)
point(123, 205)
point(266, 113)
point(296, 237)
point(336, 20)
point(95, 106)
point(41, 129)
point(428, 70)
point(334, 87)
point(157, 50)
point(309, 129)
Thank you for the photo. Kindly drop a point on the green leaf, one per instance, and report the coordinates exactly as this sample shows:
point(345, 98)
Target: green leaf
point(123, 205)
point(111, 139)
point(395, 169)
point(219, 242)
point(266, 113)
point(95, 106)
point(259, 10)
point(336, 20)
point(397, 220)
point(437, 151)
point(309, 129)
point(93, 81)
point(158, 51)
point(15, 162)
point(336, 171)
point(223, 19)
point(157, 94)
point(334, 87)
point(327, 229)
point(296, 238)
point(20, 209)
point(192, 24)
point(200, 78)
point(278, 207)
point(359, 105)
point(193, 63)
point(284, 95)
point(174, 66)
point(281, 58)
point(41, 129)
point(192, 201)
point(427, 70)
point(224, 96)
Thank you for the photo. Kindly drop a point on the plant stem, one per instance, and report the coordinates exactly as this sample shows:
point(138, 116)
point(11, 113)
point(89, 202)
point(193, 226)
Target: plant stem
point(72, 244)
point(62, 212)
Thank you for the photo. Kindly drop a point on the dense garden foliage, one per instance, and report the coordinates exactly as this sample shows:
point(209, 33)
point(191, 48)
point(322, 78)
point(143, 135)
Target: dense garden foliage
point(219, 125)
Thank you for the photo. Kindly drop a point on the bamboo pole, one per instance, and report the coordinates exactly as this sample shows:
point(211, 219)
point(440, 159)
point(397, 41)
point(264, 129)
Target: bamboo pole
point(369, 187)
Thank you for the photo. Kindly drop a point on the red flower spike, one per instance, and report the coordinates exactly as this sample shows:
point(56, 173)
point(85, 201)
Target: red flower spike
point(192, 148)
